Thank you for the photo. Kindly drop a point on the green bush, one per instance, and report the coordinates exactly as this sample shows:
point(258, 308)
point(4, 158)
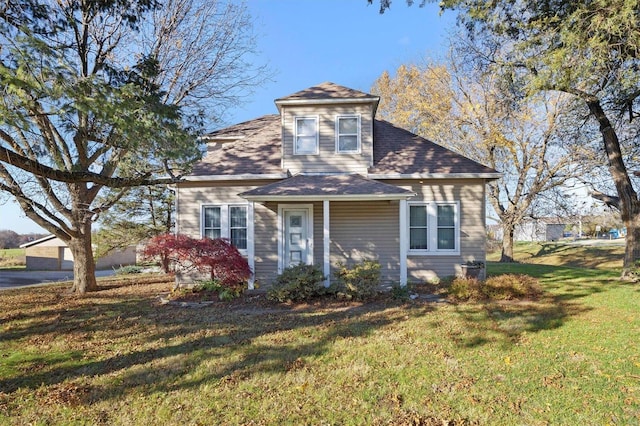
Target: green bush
point(129, 270)
point(500, 287)
point(359, 282)
point(399, 292)
point(296, 283)
point(225, 292)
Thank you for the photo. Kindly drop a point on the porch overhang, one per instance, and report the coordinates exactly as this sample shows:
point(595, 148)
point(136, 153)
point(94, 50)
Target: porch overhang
point(344, 187)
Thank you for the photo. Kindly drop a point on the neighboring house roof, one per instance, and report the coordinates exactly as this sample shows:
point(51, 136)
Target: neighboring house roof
point(38, 241)
point(327, 90)
point(256, 149)
point(336, 187)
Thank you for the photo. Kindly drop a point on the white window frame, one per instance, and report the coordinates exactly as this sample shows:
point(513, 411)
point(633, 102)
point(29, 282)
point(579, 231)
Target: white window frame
point(295, 135)
point(225, 222)
point(432, 228)
point(357, 134)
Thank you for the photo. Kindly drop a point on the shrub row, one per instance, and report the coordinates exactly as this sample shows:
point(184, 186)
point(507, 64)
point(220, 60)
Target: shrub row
point(304, 282)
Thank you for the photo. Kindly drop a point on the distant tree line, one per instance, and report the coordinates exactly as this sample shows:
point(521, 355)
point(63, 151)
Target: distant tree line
point(11, 239)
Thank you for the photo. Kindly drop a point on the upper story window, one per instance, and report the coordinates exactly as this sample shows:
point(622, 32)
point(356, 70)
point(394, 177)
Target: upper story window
point(348, 133)
point(434, 228)
point(306, 135)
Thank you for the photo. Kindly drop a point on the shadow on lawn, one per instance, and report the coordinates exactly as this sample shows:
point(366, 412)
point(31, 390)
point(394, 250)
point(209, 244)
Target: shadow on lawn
point(222, 344)
point(228, 343)
point(505, 322)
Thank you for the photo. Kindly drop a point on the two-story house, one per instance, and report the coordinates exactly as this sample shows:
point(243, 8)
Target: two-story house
point(324, 182)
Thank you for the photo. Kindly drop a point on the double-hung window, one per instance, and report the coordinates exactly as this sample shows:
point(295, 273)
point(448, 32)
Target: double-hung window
point(348, 134)
point(306, 135)
point(434, 228)
point(226, 221)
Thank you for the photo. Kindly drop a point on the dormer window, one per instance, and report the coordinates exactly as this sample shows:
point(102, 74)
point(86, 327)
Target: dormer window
point(348, 134)
point(306, 135)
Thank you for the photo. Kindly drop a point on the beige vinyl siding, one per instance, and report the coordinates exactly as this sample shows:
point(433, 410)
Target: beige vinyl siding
point(470, 193)
point(366, 231)
point(192, 196)
point(358, 229)
point(327, 159)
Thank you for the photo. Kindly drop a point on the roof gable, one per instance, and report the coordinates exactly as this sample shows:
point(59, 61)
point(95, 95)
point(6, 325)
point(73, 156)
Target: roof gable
point(327, 90)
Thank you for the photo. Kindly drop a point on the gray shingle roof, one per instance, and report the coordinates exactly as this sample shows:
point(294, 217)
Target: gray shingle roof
point(257, 152)
point(327, 90)
point(396, 151)
point(327, 186)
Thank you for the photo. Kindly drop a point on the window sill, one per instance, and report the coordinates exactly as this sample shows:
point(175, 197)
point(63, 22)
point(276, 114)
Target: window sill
point(432, 253)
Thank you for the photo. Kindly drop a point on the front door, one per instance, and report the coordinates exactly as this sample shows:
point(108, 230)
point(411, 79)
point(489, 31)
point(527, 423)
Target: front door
point(296, 237)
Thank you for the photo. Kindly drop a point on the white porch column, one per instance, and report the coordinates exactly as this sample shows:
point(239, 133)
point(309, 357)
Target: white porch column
point(326, 239)
point(404, 242)
point(250, 243)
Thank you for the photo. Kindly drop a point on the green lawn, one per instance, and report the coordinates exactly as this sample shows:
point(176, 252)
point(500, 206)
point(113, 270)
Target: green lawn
point(12, 258)
point(119, 357)
point(13, 252)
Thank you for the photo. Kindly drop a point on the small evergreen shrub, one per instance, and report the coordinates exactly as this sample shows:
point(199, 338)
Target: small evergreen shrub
point(399, 292)
point(359, 282)
point(129, 270)
point(224, 291)
point(297, 283)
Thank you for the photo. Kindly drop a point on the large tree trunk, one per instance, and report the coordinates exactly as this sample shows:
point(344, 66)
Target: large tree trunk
point(84, 266)
point(632, 247)
point(507, 243)
point(627, 201)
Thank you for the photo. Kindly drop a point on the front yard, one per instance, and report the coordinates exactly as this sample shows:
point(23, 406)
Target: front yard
point(120, 357)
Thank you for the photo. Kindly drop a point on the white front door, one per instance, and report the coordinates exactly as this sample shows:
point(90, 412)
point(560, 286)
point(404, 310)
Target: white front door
point(296, 237)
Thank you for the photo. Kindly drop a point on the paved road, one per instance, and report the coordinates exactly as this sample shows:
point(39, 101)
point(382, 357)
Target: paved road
point(13, 279)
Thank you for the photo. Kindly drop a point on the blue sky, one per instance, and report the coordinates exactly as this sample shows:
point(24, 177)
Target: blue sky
point(306, 42)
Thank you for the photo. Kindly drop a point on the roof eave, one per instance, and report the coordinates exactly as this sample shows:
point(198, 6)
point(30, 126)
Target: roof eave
point(38, 241)
point(326, 101)
point(490, 176)
point(362, 197)
point(244, 176)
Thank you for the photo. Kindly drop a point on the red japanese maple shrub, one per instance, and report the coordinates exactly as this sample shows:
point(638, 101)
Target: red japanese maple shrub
point(218, 257)
point(172, 250)
point(222, 260)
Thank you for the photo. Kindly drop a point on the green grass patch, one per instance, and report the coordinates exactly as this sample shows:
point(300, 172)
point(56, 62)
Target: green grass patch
point(12, 258)
point(566, 254)
point(120, 357)
point(13, 252)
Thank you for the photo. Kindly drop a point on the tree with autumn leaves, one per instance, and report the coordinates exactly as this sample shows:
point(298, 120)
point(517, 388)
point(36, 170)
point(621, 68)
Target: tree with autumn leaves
point(471, 113)
point(587, 50)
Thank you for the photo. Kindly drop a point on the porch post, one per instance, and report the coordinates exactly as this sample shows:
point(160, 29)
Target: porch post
point(326, 234)
point(404, 240)
point(250, 243)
